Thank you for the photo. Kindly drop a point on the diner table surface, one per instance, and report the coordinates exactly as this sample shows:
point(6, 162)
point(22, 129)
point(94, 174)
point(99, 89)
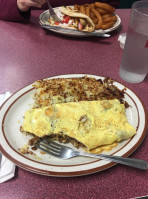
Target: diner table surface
point(29, 53)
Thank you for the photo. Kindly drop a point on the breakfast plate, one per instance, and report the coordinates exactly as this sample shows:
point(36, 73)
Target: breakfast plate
point(43, 20)
point(12, 112)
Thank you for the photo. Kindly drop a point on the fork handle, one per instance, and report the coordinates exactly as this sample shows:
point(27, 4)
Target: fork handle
point(137, 163)
point(50, 8)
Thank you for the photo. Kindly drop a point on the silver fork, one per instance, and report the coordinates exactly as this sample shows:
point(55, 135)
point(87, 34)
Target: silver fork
point(64, 152)
point(52, 13)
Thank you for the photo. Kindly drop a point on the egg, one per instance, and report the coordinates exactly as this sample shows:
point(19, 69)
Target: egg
point(92, 123)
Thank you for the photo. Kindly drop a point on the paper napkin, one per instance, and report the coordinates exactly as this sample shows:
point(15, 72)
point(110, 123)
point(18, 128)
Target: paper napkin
point(7, 168)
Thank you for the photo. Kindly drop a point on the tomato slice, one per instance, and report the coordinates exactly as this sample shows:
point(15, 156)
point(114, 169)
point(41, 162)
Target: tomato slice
point(56, 23)
point(66, 19)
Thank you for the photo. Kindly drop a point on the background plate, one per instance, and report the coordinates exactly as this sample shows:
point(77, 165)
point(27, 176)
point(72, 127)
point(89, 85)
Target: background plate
point(12, 112)
point(43, 20)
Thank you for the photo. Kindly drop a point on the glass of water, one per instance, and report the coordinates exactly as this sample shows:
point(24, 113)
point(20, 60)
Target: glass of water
point(134, 64)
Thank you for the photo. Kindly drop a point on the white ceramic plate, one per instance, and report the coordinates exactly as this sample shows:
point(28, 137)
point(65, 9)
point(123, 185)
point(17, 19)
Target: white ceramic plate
point(11, 139)
point(43, 20)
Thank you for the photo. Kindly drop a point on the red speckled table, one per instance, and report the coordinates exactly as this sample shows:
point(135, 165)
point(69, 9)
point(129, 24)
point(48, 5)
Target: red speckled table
point(28, 53)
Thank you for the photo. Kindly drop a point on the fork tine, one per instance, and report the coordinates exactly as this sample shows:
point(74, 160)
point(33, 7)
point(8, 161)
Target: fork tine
point(52, 143)
point(49, 151)
point(50, 148)
point(44, 145)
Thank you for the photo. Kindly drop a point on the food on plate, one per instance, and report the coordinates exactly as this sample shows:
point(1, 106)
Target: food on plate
point(84, 99)
point(99, 19)
point(76, 7)
point(102, 14)
point(107, 25)
point(74, 19)
point(101, 11)
point(87, 11)
point(82, 9)
point(110, 19)
point(104, 6)
point(63, 90)
point(87, 17)
point(88, 124)
point(105, 16)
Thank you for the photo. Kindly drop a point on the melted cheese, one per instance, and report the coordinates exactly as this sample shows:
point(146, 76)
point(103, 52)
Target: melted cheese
point(93, 123)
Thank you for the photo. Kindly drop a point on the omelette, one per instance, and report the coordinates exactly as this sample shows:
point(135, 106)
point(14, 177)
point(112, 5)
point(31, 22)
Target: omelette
point(90, 123)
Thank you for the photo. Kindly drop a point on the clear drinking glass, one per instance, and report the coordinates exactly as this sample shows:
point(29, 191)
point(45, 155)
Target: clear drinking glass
point(134, 64)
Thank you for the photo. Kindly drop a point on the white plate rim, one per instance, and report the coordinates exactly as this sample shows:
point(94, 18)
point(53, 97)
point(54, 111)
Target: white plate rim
point(46, 12)
point(72, 172)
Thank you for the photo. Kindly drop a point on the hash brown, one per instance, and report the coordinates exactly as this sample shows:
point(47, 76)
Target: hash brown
point(62, 90)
